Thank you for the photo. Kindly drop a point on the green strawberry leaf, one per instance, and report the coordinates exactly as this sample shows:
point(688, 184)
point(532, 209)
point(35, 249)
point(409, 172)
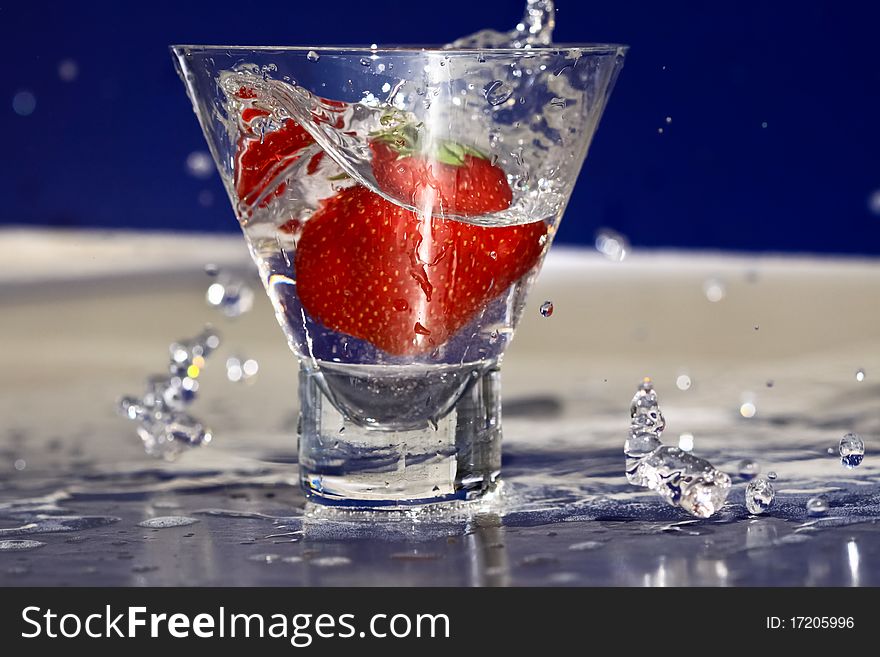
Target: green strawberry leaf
point(404, 137)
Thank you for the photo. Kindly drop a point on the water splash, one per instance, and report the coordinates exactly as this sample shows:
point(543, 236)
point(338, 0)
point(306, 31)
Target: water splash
point(164, 427)
point(230, 295)
point(680, 478)
point(535, 28)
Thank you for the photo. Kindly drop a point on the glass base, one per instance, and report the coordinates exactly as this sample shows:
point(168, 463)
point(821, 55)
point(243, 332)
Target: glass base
point(347, 462)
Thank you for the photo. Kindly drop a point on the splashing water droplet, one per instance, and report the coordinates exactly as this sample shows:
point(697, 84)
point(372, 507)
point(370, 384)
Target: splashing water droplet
point(860, 375)
point(772, 475)
point(232, 296)
point(241, 370)
point(24, 103)
point(68, 70)
point(874, 202)
point(611, 244)
point(714, 290)
point(199, 164)
point(365, 61)
point(686, 442)
point(497, 92)
point(683, 382)
point(748, 409)
point(748, 469)
point(546, 309)
point(852, 450)
point(759, 496)
point(817, 506)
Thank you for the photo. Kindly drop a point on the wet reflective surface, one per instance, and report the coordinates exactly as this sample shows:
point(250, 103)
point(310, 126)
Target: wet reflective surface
point(81, 504)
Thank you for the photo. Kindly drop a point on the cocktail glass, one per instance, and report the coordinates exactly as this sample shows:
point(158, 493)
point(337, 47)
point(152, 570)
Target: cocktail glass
point(398, 203)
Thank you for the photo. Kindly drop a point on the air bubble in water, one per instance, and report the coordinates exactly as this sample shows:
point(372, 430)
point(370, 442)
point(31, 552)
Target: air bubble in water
point(611, 244)
point(312, 56)
point(860, 375)
point(497, 92)
point(772, 475)
point(230, 295)
point(365, 61)
point(546, 309)
point(683, 382)
point(817, 506)
point(852, 450)
point(759, 496)
point(748, 469)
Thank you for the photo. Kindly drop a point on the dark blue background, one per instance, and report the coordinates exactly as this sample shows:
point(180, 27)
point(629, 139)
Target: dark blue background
point(109, 148)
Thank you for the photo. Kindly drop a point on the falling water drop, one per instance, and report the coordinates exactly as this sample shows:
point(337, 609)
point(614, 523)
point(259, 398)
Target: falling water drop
point(546, 309)
point(860, 375)
point(313, 56)
point(748, 469)
point(714, 290)
point(852, 450)
point(611, 244)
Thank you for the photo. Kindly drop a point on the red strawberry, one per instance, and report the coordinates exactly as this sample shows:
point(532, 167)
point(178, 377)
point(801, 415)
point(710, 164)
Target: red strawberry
point(374, 270)
point(259, 160)
point(457, 180)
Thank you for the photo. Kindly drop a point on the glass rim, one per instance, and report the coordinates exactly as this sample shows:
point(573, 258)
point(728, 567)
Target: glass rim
point(435, 49)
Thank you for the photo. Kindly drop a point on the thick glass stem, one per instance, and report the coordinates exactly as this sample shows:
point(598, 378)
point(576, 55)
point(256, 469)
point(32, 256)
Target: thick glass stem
point(349, 463)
